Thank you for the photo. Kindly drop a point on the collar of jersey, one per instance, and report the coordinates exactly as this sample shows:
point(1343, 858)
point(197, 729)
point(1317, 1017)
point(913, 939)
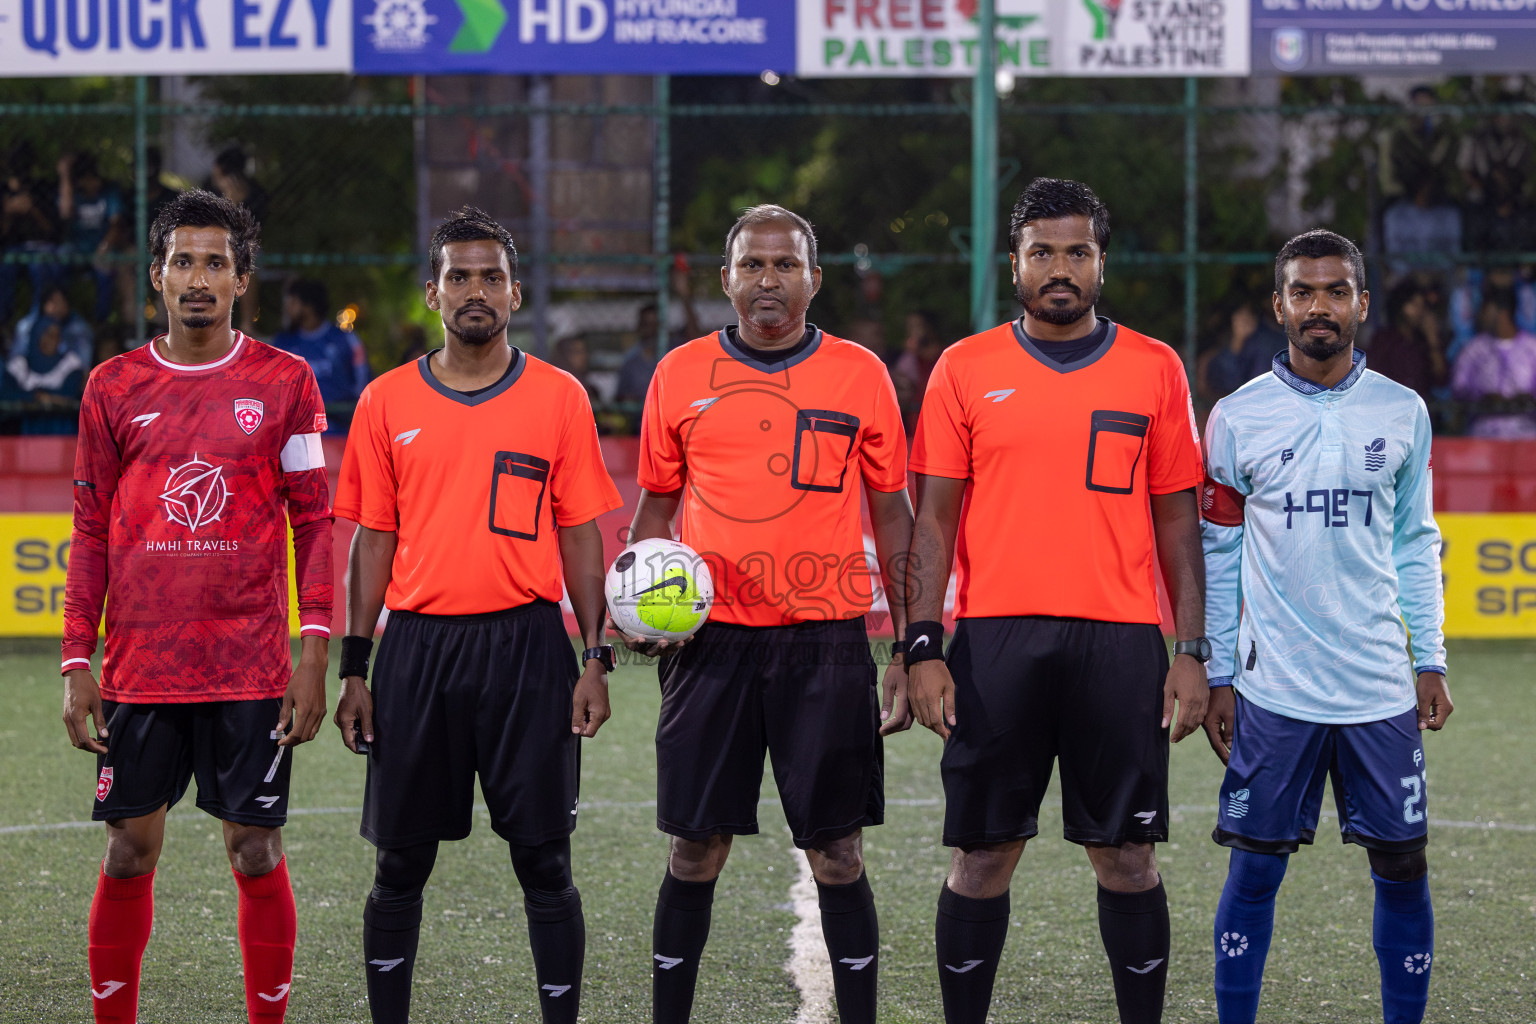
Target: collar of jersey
point(1282, 368)
point(519, 361)
point(735, 351)
point(1028, 345)
point(222, 361)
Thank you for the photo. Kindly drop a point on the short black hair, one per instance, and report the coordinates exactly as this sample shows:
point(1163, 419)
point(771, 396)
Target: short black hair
point(1316, 245)
point(198, 208)
point(767, 213)
point(470, 224)
point(232, 159)
point(311, 293)
point(1502, 299)
point(1054, 198)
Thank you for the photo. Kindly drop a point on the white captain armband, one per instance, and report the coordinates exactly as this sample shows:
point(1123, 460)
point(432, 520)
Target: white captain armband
point(302, 452)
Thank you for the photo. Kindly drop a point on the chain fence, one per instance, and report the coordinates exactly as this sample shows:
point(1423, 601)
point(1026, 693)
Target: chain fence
point(619, 191)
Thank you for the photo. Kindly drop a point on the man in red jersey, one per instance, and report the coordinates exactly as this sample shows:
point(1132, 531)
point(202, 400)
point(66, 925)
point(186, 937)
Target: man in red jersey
point(1054, 454)
point(196, 452)
point(758, 441)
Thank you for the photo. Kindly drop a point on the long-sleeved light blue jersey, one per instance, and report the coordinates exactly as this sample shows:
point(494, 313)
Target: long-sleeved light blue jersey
point(1334, 550)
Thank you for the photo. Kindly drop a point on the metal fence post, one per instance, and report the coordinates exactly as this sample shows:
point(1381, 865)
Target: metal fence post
point(538, 168)
point(662, 162)
point(1191, 219)
point(984, 172)
point(140, 205)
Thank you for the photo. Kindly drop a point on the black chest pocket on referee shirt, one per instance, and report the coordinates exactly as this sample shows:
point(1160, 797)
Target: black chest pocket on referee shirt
point(823, 442)
point(518, 483)
point(1115, 444)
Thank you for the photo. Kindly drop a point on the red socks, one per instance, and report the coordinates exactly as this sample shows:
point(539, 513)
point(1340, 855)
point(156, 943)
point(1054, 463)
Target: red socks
point(122, 913)
point(268, 926)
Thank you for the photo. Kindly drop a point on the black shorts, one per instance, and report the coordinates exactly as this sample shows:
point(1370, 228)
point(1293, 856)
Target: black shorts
point(804, 694)
point(153, 750)
point(454, 695)
point(1033, 690)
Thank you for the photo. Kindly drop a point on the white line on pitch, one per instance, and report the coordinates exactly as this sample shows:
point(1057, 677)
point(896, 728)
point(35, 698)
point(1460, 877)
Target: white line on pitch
point(808, 965)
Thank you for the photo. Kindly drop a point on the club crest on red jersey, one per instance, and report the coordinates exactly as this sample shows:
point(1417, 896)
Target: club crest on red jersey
point(248, 413)
point(104, 784)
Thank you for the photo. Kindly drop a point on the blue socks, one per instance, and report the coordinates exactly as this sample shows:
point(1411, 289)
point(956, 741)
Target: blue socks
point(1245, 922)
point(1403, 934)
point(1404, 937)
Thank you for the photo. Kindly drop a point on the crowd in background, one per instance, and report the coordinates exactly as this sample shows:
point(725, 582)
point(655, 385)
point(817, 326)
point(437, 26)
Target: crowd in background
point(1453, 318)
point(1462, 335)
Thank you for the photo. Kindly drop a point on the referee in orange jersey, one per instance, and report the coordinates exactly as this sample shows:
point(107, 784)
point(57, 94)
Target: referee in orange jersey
point(758, 440)
point(475, 478)
point(1054, 454)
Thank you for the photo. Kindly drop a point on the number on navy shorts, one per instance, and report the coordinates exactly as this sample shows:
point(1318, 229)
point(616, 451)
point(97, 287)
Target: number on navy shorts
point(1414, 784)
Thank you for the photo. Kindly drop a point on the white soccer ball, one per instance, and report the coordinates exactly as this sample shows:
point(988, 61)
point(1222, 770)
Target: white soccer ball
point(659, 589)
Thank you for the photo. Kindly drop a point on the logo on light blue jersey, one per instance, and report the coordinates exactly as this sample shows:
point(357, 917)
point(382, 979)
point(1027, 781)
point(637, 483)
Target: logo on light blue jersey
point(1286, 456)
point(1375, 454)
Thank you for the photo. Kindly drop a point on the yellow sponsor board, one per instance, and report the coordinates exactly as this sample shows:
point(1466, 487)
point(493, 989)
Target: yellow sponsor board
point(34, 557)
point(1489, 563)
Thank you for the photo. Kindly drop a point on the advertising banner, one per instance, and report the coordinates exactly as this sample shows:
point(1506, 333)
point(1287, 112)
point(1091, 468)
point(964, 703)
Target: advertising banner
point(1489, 563)
point(573, 37)
point(1149, 38)
point(1431, 37)
point(917, 38)
point(41, 38)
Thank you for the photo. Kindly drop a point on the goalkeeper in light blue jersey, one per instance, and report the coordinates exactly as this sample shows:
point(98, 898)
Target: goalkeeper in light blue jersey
point(1324, 611)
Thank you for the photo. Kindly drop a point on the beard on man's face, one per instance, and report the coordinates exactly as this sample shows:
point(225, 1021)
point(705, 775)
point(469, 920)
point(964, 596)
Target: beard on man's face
point(196, 321)
point(481, 333)
point(1321, 348)
point(1039, 307)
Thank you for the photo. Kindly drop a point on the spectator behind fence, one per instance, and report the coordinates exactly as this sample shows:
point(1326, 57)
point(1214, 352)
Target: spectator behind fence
point(920, 353)
point(1499, 363)
point(26, 228)
point(75, 335)
point(91, 211)
point(1421, 223)
point(574, 357)
point(52, 377)
point(338, 358)
point(1419, 150)
point(1246, 351)
point(1503, 222)
point(639, 363)
point(231, 178)
point(1499, 147)
point(1410, 347)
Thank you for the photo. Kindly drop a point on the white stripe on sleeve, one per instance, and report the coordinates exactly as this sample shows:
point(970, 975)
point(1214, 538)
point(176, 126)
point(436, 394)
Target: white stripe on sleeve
point(303, 452)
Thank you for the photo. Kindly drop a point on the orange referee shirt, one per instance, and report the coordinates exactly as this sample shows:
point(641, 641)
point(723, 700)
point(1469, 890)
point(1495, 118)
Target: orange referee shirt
point(1059, 461)
point(770, 456)
point(474, 486)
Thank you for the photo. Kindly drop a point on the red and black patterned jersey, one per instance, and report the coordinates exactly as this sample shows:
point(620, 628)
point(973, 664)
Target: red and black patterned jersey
point(183, 477)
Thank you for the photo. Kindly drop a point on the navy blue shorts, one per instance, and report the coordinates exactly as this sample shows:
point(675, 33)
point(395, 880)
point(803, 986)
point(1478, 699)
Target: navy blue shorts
point(1273, 791)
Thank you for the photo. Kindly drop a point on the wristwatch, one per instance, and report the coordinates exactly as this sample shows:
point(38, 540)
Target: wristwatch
point(1199, 648)
point(602, 652)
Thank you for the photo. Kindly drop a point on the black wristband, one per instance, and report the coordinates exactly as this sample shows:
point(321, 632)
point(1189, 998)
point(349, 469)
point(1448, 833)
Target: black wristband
point(925, 641)
point(354, 656)
point(898, 647)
